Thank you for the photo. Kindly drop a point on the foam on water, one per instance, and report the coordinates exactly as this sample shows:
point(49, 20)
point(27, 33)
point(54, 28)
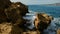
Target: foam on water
point(50, 10)
point(55, 24)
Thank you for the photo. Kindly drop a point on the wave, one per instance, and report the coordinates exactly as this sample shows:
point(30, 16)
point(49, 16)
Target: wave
point(32, 13)
point(53, 26)
point(56, 20)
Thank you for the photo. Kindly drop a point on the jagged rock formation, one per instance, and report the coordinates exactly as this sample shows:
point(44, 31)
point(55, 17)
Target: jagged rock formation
point(42, 21)
point(16, 11)
point(11, 17)
point(19, 8)
point(11, 11)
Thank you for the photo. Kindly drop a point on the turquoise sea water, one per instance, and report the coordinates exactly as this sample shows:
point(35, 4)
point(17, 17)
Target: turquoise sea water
point(50, 10)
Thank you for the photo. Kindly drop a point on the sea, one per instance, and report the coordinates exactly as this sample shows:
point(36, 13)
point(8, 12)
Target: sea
point(53, 11)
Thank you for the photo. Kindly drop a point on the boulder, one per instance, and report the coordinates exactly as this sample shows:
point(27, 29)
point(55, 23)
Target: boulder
point(58, 31)
point(42, 21)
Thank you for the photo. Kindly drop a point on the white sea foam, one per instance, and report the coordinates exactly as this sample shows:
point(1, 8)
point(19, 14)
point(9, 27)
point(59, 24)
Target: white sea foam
point(53, 27)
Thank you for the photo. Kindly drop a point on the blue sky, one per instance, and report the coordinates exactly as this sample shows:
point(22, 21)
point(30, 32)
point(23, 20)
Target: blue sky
point(37, 2)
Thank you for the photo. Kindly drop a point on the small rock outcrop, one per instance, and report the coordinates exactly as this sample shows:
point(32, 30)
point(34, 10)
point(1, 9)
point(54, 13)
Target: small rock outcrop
point(42, 21)
point(58, 31)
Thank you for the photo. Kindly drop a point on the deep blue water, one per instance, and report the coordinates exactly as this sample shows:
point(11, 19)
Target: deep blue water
point(51, 10)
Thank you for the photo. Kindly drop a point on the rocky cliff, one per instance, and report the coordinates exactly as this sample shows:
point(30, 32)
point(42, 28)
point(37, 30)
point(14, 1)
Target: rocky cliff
point(11, 17)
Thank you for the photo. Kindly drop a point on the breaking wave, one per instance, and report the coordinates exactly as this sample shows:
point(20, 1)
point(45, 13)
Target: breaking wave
point(55, 24)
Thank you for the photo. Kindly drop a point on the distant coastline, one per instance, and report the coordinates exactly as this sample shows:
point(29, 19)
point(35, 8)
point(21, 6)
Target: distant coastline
point(54, 4)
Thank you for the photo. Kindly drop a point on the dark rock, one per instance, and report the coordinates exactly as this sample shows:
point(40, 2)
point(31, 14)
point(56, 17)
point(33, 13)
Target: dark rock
point(19, 8)
point(42, 21)
point(3, 4)
point(15, 11)
point(12, 13)
point(58, 31)
point(8, 28)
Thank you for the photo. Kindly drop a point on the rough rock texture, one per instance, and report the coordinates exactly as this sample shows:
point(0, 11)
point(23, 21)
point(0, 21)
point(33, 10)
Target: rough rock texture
point(5, 28)
point(3, 4)
point(11, 17)
point(31, 32)
point(8, 28)
point(16, 11)
point(10, 11)
point(18, 8)
point(42, 21)
point(58, 31)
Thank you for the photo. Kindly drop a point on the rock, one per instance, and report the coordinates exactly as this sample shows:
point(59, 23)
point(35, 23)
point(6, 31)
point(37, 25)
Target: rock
point(42, 21)
point(4, 3)
point(8, 28)
point(15, 11)
point(58, 31)
point(31, 32)
point(5, 28)
point(17, 8)
point(11, 17)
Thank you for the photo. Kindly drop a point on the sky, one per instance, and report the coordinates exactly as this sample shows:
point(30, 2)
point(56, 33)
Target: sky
point(36, 2)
